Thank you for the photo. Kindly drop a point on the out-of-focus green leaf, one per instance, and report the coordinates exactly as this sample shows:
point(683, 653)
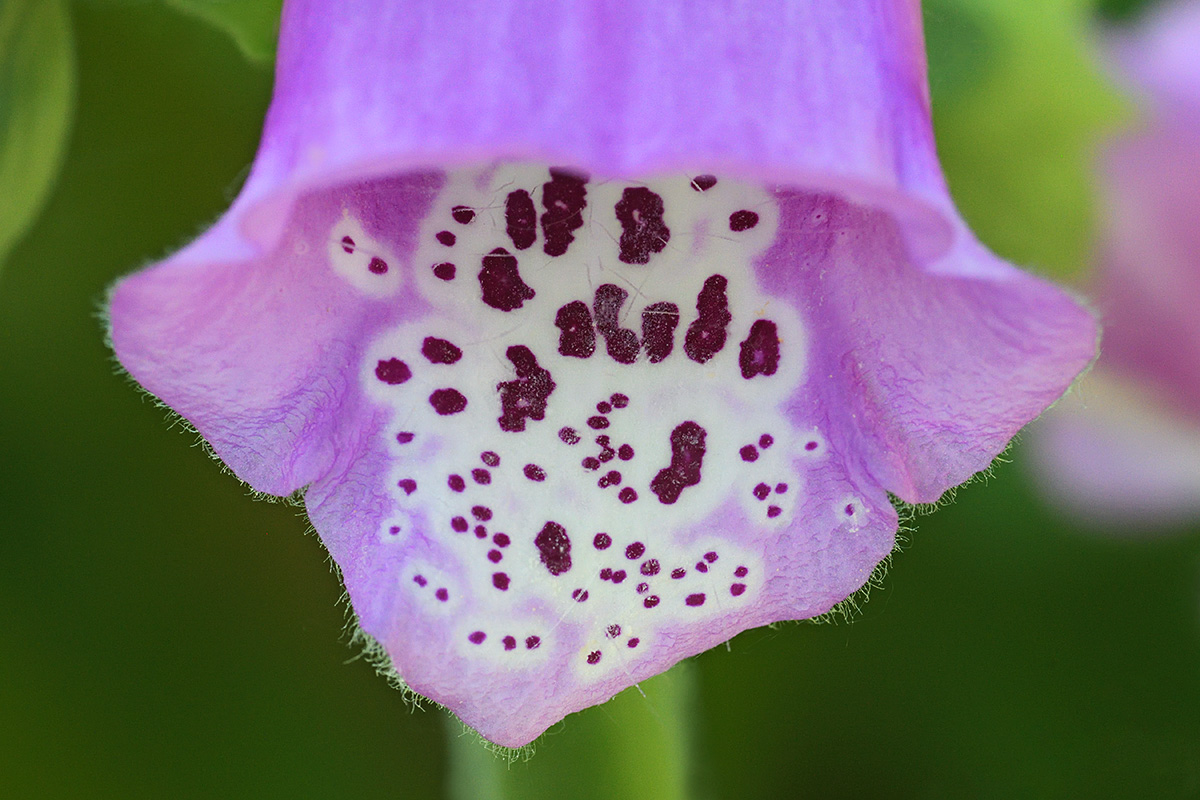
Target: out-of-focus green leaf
point(37, 97)
point(959, 46)
point(1019, 148)
point(253, 24)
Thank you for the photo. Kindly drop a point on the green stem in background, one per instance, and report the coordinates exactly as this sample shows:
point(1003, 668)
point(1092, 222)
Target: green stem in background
point(639, 744)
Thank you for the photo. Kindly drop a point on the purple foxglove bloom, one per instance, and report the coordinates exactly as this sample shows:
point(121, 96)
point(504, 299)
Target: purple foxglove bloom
point(1125, 448)
point(596, 333)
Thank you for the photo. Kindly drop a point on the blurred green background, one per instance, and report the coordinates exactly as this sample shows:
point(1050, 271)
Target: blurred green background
point(163, 634)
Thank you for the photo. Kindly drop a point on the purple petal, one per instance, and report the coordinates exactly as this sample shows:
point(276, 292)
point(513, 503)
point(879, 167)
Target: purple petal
point(748, 246)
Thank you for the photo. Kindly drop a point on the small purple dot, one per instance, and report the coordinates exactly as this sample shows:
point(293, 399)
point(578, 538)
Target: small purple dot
point(761, 491)
point(740, 572)
point(459, 524)
point(749, 453)
point(408, 485)
point(477, 637)
point(618, 576)
point(447, 401)
point(603, 407)
point(377, 266)
point(642, 588)
point(597, 423)
point(395, 529)
point(613, 631)
point(482, 513)
point(651, 601)
point(695, 599)
point(463, 216)
point(849, 510)
point(635, 550)
point(442, 594)
point(490, 459)
point(781, 488)
point(634, 641)
point(619, 400)
point(742, 220)
point(480, 532)
point(446, 237)
point(602, 541)
point(627, 495)
point(678, 573)
point(603, 440)
point(531, 642)
point(501, 540)
point(606, 574)
point(811, 446)
point(444, 271)
point(535, 473)
point(481, 476)
point(456, 483)
point(569, 435)
point(702, 183)
point(737, 589)
point(494, 556)
point(607, 455)
point(579, 595)
point(404, 437)
point(625, 452)
point(419, 580)
point(710, 557)
point(766, 440)
point(774, 511)
point(590, 463)
point(650, 566)
point(701, 566)
point(347, 244)
point(510, 643)
point(593, 657)
point(500, 581)
point(392, 371)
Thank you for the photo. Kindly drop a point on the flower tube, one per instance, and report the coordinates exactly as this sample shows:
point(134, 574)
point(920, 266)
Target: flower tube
point(595, 333)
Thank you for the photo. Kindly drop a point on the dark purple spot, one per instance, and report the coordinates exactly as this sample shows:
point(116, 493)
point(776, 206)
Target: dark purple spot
point(605, 574)
point(408, 485)
point(404, 437)
point(590, 462)
point(480, 532)
point(701, 566)
point(762, 491)
point(444, 271)
point(613, 631)
point(564, 197)
point(740, 572)
point(569, 436)
point(392, 371)
point(494, 556)
point(456, 483)
point(554, 547)
point(613, 478)
point(621, 343)
point(579, 595)
point(627, 495)
point(502, 286)
point(419, 580)
point(377, 266)
point(635, 551)
point(501, 540)
point(811, 446)
point(459, 524)
point(602, 541)
point(749, 453)
point(702, 183)
point(849, 510)
point(447, 401)
point(742, 220)
point(462, 214)
point(678, 573)
point(534, 472)
point(440, 351)
point(659, 321)
point(531, 642)
point(603, 407)
point(710, 557)
point(593, 657)
point(481, 513)
point(643, 233)
point(760, 352)
point(695, 599)
point(576, 337)
point(619, 400)
point(477, 637)
point(481, 476)
point(737, 589)
point(650, 567)
point(651, 601)
point(395, 529)
point(687, 456)
point(634, 641)
point(597, 423)
point(347, 244)
point(781, 488)
point(642, 588)
point(774, 511)
point(490, 458)
point(510, 643)
point(625, 452)
point(603, 440)
point(442, 595)
point(446, 237)
point(525, 398)
point(766, 440)
point(520, 219)
point(706, 335)
point(500, 581)
point(618, 576)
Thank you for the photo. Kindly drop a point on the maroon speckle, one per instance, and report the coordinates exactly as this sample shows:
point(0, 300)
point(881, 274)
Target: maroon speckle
point(749, 453)
point(447, 401)
point(564, 197)
point(849, 510)
point(760, 352)
point(392, 371)
point(347, 244)
point(659, 321)
point(419, 580)
point(593, 657)
point(642, 588)
point(613, 631)
point(702, 183)
point(604, 407)
point(442, 594)
point(395, 529)
point(781, 488)
point(500, 581)
point(603, 440)
point(678, 573)
point(597, 423)
point(687, 456)
point(766, 440)
point(502, 286)
point(811, 446)
point(701, 566)
point(634, 641)
point(404, 437)
point(740, 572)
point(774, 511)
point(520, 219)
point(619, 400)
point(579, 595)
point(695, 599)
point(459, 524)
point(501, 540)
point(627, 495)
point(590, 462)
point(481, 476)
point(635, 551)
point(495, 556)
point(737, 589)
point(554, 547)
point(643, 233)
point(650, 567)
point(510, 643)
point(576, 337)
point(482, 513)
point(651, 601)
point(446, 237)
point(710, 557)
point(621, 343)
point(534, 472)
point(602, 541)
point(706, 335)
point(377, 266)
point(490, 458)
point(444, 271)
point(456, 483)
point(742, 220)
point(762, 491)
point(526, 397)
point(568, 435)
point(440, 351)
point(531, 642)
point(613, 478)
point(606, 574)
point(477, 637)
point(618, 576)
point(463, 214)
point(408, 485)
point(625, 452)
point(480, 532)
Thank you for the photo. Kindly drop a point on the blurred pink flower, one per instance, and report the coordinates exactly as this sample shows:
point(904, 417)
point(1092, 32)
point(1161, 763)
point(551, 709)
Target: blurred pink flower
point(1124, 449)
point(596, 333)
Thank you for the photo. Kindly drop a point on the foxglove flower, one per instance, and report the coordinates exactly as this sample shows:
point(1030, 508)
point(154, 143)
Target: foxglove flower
point(1125, 449)
point(597, 332)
